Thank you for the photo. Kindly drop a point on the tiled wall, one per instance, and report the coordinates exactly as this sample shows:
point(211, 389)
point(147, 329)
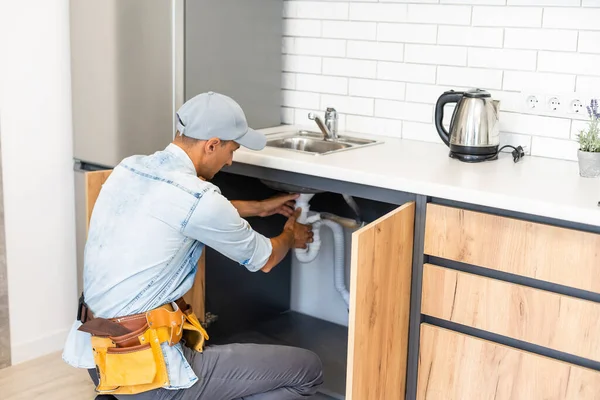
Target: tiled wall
point(383, 64)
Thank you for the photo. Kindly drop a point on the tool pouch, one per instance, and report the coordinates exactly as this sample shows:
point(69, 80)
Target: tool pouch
point(193, 333)
point(129, 370)
point(127, 351)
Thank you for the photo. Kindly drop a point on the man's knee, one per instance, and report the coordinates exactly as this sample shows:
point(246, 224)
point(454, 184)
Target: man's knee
point(313, 369)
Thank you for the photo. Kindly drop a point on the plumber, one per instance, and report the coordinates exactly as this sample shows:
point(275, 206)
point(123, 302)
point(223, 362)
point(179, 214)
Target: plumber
point(136, 336)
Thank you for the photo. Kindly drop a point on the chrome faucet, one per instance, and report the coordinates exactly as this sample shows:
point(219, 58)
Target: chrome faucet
point(331, 121)
point(330, 126)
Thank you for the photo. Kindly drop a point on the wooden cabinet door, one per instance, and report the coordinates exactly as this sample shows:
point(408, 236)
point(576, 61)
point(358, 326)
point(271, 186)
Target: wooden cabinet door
point(380, 283)
point(195, 296)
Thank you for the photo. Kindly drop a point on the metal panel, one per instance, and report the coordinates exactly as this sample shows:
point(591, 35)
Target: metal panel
point(414, 329)
point(319, 183)
point(122, 77)
point(234, 47)
point(80, 224)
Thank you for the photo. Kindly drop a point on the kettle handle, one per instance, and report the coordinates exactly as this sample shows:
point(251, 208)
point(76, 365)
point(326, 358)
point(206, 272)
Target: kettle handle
point(447, 97)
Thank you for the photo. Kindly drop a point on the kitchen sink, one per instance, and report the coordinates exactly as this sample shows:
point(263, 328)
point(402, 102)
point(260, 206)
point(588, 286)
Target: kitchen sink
point(313, 142)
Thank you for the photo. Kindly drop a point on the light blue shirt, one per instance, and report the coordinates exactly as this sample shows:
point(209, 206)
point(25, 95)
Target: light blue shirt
point(147, 231)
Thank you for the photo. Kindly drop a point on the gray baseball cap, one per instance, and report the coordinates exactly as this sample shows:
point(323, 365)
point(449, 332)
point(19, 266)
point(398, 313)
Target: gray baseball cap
point(211, 114)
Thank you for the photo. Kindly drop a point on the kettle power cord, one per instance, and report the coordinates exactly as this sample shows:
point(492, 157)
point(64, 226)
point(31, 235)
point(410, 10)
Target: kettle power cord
point(517, 152)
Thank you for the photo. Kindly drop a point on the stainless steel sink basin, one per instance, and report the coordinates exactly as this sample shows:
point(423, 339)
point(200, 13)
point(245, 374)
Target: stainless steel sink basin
point(314, 143)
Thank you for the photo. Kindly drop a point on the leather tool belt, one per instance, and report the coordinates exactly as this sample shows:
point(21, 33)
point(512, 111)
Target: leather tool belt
point(127, 350)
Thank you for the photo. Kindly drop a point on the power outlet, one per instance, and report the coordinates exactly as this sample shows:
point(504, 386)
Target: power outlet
point(576, 107)
point(571, 105)
point(553, 103)
point(532, 101)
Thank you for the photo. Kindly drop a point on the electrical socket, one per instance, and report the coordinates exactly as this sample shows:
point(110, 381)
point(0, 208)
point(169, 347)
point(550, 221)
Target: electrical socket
point(532, 101)
point(553, 103)
point(576, 107)
point(570, 105)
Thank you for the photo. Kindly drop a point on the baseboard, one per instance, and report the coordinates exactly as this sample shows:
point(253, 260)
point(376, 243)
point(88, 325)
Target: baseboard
point(21, 352)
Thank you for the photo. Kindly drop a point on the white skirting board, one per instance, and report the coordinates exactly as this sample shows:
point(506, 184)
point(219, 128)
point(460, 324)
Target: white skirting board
point(46, 344)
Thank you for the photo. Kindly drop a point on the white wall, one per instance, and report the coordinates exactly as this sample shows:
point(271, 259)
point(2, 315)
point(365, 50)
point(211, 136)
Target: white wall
point(35, 117)
point(313, 288)
point(383, 64)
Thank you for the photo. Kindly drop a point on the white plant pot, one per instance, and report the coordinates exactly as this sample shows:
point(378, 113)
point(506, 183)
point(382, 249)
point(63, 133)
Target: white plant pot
point(589, 164)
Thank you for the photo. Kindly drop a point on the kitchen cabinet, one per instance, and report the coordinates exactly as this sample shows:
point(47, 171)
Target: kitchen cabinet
point(448, 300)
point(509, 307)
point(455, 366)
point(367, 359)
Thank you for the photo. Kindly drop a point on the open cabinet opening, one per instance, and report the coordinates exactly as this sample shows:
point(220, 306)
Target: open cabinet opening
point(357, 321)
point(299, 302)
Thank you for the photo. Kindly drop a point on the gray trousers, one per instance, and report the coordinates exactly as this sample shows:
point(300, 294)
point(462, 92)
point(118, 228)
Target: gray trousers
point(245, 372)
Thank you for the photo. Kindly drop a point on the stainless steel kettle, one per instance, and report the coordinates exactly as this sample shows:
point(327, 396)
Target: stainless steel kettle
point(474, 127)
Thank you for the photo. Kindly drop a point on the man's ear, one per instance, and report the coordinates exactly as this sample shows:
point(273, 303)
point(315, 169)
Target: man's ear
point(211, 145)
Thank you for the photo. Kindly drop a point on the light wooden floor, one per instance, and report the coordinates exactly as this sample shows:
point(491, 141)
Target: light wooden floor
point(47, 378)
point(51, 379)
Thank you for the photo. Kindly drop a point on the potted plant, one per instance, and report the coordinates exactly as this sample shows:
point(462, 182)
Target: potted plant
point(589, 144)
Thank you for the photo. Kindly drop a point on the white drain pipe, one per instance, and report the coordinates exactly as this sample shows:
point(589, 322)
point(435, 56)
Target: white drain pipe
point(310, 253)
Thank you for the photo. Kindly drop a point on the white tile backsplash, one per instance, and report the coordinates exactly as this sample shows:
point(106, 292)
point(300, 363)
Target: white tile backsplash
point(380, 51)
point(406, 33)
point(470, 77)
point(314, 47)
point(348, 104)
point(588, 84)
point(302, 27)
point(572, 18)
point(543, 2)
point(536, 125)
point(540, 39)
point(406, 72)
point(301, 64)
point(377, 89)
point(420, 131)
point(439, 14)
point(383, 64)
point(538, 82)
point(349, 67)
point(435, 55)
point(507, 16)
point(349, 30)
point(315, 10)
point(581, 64)
point(292, 98)
point(589, 42)
point(523, 60)
point(404, 110)
point(554, 148)
point(374, 126)
point(470, 36)
point(322, 84)
point(378, 12)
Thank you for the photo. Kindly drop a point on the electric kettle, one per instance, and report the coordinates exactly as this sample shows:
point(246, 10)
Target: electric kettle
point(474, 127)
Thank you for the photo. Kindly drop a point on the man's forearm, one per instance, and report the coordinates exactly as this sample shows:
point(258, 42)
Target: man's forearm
point(247, 208)
point(281, 245)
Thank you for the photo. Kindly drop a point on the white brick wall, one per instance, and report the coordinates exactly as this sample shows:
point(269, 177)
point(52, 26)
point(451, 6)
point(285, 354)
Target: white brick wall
point(383, 63)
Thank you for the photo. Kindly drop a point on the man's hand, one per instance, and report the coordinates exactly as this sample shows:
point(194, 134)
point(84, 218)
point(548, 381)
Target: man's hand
point(294, 235)
point(280, 204)
point(302, 234)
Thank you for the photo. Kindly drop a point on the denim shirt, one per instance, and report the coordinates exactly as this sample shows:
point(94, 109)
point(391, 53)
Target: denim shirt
point(147, 231)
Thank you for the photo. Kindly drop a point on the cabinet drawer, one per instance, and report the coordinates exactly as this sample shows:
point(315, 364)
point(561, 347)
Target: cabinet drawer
point(536, 316)
point(453, 366)
point(548, 253)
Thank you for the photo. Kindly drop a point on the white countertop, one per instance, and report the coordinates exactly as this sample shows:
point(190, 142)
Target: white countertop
point(534, 185)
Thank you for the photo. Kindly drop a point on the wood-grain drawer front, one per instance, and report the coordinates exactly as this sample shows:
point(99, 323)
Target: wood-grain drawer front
point(558, 255)
point(453, 366)
point(536, 316)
